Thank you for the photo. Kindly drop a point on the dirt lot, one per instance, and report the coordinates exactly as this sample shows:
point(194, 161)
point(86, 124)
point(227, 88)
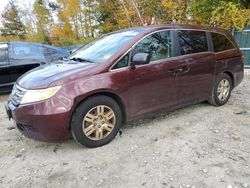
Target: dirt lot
point(198, 146)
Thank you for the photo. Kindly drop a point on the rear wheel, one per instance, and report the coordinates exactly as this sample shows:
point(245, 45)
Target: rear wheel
point(222, 90)
point(96, 121)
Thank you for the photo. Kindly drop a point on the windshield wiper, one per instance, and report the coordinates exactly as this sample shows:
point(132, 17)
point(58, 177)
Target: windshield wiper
point(81, 59)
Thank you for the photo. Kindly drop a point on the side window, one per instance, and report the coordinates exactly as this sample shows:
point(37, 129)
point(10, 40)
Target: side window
point(158, 45)
point(25, 51)
point(3, 53)
point(122, 63)
point(221, 43)
point(192, 41)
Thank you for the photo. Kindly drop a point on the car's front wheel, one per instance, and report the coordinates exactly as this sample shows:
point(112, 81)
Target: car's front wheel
point(96, 121)
point(222, 90)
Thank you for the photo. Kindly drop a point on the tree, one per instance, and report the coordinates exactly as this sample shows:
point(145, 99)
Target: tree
point(112, 15)
point(229, 15)
point(200, 11)
point(66, 22)
point(88, 17)
point(244, 3)
point(43, 18)
point(176, 11)
point(217, 13)
point(27, 17)
point(12, 25)
point(67, 30)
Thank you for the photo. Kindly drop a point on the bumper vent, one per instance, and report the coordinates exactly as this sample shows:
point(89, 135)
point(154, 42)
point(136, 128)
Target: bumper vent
point(17, 95)
point(23, 127)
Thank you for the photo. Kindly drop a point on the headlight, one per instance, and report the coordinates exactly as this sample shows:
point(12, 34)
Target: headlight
point(39, 95)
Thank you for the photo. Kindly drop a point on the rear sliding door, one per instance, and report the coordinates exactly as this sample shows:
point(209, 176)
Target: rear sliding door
point(196, 66)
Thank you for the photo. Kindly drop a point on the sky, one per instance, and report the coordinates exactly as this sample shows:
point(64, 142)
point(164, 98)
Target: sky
point(24, 4)
point(3, 3)
point(21, 3)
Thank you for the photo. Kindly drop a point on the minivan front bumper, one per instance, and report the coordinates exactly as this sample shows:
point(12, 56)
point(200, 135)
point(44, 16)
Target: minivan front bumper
point(45, 121)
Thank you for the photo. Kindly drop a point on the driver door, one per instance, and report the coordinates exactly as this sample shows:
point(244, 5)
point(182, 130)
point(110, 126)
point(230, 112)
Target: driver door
point(153, 86)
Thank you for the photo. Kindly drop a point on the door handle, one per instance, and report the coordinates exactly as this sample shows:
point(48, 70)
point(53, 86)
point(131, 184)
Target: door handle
point(183, 69)
point(173, 72)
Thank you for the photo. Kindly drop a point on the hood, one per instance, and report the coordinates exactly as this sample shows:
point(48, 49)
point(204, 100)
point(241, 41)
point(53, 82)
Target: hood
point(43, 76)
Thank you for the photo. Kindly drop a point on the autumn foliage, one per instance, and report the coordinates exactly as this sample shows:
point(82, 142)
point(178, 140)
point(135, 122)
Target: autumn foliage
point(67, 22)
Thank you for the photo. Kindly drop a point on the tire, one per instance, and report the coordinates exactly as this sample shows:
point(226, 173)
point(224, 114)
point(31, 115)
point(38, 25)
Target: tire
point(96, 121)
point(216, 99)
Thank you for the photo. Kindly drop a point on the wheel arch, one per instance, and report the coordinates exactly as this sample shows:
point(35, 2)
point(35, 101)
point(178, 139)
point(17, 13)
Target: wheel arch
point(231, 76)
point(112, 95)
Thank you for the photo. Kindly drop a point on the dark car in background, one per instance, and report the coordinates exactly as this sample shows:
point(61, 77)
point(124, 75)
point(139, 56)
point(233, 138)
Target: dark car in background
point(16, 58)
point(122, 76)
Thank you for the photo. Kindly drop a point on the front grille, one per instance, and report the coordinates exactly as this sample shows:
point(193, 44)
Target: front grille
point(17, 95)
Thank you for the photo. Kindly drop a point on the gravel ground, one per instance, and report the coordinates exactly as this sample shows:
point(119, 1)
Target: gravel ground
point(198, 146)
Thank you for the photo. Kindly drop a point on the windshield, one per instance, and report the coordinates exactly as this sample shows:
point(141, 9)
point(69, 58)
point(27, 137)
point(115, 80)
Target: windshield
point(103, 48)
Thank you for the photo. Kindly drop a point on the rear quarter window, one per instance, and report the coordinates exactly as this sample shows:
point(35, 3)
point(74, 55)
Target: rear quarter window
point(192, 41)
point(221, 42)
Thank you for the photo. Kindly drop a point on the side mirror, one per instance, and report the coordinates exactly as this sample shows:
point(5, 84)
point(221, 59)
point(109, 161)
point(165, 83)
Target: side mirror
point(140, 59)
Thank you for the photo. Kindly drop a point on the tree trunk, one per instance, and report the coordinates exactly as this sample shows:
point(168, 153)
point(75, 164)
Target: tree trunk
point(138, 12)
point(130, 24)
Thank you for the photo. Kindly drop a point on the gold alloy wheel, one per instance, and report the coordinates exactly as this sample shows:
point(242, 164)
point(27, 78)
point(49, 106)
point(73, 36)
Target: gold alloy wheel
point(99, 122)
point(223, 89)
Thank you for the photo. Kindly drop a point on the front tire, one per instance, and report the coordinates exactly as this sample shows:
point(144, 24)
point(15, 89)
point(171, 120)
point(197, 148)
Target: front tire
point(96, 121)
point(222, 90)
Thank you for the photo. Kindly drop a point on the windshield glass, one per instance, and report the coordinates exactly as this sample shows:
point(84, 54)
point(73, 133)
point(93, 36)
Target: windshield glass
point(103, 48)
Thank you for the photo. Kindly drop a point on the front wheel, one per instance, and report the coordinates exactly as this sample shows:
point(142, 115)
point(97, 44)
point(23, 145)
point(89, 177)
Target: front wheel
point(222, 90)
point(96, 121)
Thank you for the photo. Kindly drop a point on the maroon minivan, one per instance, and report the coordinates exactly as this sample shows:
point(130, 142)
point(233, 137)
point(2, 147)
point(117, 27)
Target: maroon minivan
point(122, 76)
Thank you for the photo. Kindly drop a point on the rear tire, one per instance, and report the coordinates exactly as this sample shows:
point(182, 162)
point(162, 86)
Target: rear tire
point(221, 91)
point(96, 121)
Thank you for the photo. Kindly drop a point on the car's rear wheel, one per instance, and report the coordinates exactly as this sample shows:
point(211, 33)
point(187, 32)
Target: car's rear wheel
point(96, 121)
point(222, 90)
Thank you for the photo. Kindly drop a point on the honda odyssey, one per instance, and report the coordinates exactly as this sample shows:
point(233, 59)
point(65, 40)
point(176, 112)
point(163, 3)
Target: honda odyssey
point(122, 76)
